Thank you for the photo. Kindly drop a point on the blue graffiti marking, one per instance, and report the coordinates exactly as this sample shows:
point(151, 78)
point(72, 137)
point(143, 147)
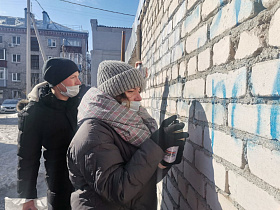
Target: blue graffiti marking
point(236, 86)
point(237, 6)
point(216, 24)
point(259, 108)
point(220, 86)
point(275, 112)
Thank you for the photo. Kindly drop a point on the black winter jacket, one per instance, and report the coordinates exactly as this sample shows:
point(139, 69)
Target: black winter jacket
point(49, 123)
point(108, 173)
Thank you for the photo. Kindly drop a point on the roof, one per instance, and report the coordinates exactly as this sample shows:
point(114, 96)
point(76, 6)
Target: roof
point(19, 22)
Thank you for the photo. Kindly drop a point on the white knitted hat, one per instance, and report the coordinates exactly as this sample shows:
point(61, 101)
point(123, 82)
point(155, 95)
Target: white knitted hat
point(116, 77)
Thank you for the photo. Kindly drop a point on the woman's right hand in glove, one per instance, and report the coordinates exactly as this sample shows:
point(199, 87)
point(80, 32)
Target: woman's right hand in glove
point(165, 136)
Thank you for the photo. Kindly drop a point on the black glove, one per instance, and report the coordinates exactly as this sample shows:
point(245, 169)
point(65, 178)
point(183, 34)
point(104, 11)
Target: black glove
point(165, 136)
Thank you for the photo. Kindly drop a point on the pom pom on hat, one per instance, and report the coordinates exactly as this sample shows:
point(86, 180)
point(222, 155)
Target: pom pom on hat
point(58, 69)
point(116, 77)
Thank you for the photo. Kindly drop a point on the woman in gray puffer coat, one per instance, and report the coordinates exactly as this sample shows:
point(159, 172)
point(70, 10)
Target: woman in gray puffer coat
point(117, 150)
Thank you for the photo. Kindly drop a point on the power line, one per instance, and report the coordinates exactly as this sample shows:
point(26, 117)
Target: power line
point(98, 8)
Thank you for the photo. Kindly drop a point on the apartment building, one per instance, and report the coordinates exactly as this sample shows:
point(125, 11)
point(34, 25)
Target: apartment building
point(56, 41)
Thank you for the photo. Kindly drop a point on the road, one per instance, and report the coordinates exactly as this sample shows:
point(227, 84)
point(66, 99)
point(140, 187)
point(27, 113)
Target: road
point(8, 160)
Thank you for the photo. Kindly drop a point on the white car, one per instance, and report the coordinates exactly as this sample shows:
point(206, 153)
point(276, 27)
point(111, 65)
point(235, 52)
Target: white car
point(9, 105)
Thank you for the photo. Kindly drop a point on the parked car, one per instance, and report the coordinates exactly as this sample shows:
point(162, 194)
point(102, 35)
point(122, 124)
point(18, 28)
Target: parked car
point(9, 105)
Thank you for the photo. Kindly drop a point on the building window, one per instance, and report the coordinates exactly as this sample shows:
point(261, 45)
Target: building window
point(51, 42)
point(1, 93)
point(16, 40)
point(34, 79)
point(34, 61)
point(34, 44)
point(72, 42)
point(2, 54)
point(2, 73)
point(15, 77)
point(1, 39)
point(16, 58)
point(16, 94)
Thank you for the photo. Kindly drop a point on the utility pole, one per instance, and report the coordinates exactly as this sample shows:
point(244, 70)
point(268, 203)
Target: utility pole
point(123, 47)
point(28, 49)
point(38, 38)
point(63, 46)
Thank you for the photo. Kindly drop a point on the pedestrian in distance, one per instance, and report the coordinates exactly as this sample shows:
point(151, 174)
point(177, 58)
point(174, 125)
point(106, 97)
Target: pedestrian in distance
point(115, 155)
point(49, 121)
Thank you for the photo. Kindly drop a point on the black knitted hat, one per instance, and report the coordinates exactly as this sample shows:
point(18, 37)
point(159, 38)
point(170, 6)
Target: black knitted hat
point(58, 69)
point(116, 77)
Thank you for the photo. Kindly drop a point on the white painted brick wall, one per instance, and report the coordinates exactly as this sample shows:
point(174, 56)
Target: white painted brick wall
point(191, 3)
point(178, 51)
point(182, 69)
point(203, 163)
point(197, 39)
point(192, 66)
point(264, 163)
point(209, 6)
point(191, 21)
point(175, 90)
point(172, 7)
point(174, 38)
point(249, 43)
point(235, 12)
point(269, 3)
point(249, 196)
point(228, 85)
point(183, 108)
point(264, 82)
point(225, 203)
point(194, 89)
point(264, 120)
point(208, 112)
point(222, 51)
point(174, 74)
point(195, 134)
point(195, 178)
point(188, 152)
point(204, 60)
point(225, 146)
point(219, 175)
point(173, 191)
point(171, 106)
point(212, 198)
point(192, 198)
point(179, 14)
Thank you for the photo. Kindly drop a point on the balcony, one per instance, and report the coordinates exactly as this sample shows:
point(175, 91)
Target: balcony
point(3, 83)
point(3, 63)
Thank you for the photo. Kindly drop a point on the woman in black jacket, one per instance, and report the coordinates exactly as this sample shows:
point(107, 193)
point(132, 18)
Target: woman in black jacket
point(117, 150)
point(49, 121)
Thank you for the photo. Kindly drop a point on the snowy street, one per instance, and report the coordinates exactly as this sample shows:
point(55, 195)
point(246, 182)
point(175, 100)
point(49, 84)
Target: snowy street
point(8, 160)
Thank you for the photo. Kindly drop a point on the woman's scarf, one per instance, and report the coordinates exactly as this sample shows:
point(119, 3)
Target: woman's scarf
point(133, 127)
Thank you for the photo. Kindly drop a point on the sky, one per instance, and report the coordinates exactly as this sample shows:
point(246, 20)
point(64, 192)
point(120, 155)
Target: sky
point(75, 16)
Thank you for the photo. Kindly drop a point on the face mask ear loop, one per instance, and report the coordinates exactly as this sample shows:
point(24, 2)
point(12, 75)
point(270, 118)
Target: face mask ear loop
point(59, 88)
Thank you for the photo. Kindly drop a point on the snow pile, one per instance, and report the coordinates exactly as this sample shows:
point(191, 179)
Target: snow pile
point(8, 160)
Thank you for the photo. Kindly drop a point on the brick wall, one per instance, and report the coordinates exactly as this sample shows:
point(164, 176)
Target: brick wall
point(215, 63)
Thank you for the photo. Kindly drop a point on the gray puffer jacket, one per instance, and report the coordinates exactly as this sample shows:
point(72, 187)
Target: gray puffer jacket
point(109, 173)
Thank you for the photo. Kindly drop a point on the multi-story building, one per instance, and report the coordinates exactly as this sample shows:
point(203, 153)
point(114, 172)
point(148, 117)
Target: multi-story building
point(106, 45)
point(56, 41)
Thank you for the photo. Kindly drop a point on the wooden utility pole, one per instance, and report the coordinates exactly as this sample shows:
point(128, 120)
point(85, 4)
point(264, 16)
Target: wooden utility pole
point(28, 49)
point(123, 46)
point(38, 38)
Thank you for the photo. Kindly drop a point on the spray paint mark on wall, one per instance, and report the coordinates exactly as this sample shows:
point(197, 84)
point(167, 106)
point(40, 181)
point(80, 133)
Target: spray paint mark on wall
point(237, 6)
point(215, 89)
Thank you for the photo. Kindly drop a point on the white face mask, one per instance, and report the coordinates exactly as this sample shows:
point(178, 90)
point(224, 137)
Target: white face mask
point(134, 105)
point(72, 91)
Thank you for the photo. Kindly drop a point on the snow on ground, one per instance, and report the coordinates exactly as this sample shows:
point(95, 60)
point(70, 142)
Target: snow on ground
point(8, 160)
